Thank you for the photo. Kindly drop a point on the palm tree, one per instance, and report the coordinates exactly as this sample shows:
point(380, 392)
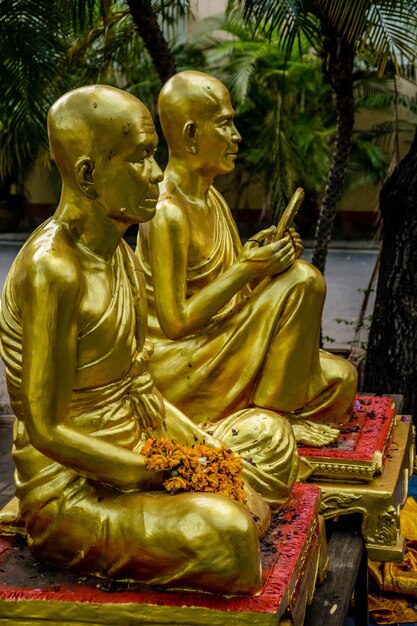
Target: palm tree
point(286, 113)
point(50, 46)
point(382, 30)
point(31, 51)
point(145, 17)
point(151, 19)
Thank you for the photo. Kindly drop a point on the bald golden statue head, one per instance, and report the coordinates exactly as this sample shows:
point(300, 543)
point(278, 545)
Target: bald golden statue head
point(102, 140)
point(95, 119)
point(197, 120)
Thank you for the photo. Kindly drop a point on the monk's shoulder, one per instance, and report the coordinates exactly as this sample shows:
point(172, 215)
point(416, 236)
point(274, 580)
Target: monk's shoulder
point(171, 214)
point(171, 207)
point(49, 261)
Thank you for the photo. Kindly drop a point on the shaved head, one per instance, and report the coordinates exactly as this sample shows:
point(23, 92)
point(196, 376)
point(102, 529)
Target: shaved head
point(188, 95)
point(93, 121)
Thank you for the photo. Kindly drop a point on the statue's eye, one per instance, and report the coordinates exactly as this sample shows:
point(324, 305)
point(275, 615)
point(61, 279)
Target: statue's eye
point(226, 123)
point(141, 155)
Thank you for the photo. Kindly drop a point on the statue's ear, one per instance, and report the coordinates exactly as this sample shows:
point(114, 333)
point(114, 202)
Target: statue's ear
point(84, 169)
point(189, 137)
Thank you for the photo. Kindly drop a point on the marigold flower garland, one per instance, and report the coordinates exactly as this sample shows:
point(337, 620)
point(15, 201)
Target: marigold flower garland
point(200, 468)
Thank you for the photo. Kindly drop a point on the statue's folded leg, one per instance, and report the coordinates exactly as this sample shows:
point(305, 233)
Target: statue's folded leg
point(266, 484)
point(189, 540)
point(297, 379)
point(334, 404)
point(265, 442)
point(263, 439)
point(264, 352)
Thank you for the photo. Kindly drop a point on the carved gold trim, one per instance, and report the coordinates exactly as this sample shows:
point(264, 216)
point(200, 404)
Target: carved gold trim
point(388, 527)
point(335, 504)
point(379, 501)
point(332, 470)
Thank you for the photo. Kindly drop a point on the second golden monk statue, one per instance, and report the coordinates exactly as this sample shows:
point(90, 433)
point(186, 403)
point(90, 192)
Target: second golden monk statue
point(233, 327)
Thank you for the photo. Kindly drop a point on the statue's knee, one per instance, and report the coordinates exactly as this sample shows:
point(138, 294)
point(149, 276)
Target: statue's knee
point(271, 429)
point(350, 377)
point(222, 522)
point(222, 516)
point(344, 371)
point(223, 538)
point(239, 554)
point(309, 276)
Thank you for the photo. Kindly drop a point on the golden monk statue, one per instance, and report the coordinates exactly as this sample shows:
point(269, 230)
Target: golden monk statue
point(72, 329)
point(233, 326)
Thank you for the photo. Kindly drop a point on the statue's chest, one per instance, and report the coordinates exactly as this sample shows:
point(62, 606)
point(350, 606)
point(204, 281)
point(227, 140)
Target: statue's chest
point(200, 249)
point(203, 235)
point(107, 329)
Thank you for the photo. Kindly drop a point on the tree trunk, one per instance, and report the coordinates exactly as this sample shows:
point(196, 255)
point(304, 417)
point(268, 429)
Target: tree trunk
point(340, 76)
point(391, 363)
point(153, 38)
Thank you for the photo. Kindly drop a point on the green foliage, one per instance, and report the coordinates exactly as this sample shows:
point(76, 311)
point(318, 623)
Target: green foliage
point(50, 46)
point(287, 113)
point(111, 52)
point(282, 107)
point(31, 50)
point(383, 30)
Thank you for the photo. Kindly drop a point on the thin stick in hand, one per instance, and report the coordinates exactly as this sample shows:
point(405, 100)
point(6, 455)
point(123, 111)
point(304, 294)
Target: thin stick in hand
point(289, 213)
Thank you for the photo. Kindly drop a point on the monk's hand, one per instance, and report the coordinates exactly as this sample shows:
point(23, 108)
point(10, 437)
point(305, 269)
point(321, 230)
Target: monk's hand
point(297, 241)
point(149, 407)
point(270, 258)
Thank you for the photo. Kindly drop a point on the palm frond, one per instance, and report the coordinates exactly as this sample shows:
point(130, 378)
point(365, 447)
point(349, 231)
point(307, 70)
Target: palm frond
point(82, 14)
point(31, 48)
point(286, 18)
point(391, 34)
point(345, 19)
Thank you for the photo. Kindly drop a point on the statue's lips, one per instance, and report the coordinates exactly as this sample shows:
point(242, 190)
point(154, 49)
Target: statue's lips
point(231, 155)
point(150, 202)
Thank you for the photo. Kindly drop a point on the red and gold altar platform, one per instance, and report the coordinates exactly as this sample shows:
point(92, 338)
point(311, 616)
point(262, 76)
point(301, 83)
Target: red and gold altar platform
point(361, 449)
point(38, 593)
point(366, 471)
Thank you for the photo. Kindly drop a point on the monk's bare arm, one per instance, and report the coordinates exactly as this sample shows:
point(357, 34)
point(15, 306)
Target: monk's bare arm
point(50, 297)
point(169, 238)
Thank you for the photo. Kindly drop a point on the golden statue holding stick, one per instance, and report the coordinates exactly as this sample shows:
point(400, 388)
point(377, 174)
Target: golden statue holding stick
point(234, 327)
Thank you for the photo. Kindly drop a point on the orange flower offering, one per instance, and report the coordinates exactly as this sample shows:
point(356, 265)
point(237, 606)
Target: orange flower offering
point(200, 468)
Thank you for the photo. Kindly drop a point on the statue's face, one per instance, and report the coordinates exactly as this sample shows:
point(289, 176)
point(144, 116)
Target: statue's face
point(218, 139)
point(127, 182)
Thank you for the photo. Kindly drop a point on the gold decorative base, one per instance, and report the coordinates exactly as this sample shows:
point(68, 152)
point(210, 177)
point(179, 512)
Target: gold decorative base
point(76, 614)
point(379, 501)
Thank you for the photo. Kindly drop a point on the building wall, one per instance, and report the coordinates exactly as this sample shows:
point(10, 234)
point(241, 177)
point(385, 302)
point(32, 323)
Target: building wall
point(43, 189)
point(205, 8)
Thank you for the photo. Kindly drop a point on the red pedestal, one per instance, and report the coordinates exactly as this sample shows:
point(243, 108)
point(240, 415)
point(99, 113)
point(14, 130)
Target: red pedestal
point(362, 446)
point(290, 552)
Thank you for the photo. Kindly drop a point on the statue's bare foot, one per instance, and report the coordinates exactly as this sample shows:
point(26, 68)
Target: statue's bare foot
point(312, 434)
